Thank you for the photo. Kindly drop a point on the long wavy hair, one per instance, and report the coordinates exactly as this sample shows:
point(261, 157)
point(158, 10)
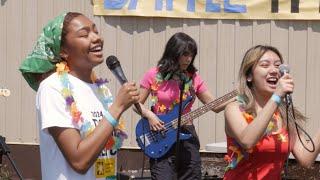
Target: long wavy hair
point(178, 45)
point(249, 62)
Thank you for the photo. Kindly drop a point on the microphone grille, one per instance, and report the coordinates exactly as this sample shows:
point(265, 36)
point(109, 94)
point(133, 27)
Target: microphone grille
point(283, 68)
point(112, 62)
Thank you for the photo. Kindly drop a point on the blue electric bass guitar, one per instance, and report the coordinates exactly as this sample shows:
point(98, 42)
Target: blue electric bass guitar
point(155, 144)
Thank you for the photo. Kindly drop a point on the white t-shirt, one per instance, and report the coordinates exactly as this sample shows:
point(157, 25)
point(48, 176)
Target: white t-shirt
point(51, 111)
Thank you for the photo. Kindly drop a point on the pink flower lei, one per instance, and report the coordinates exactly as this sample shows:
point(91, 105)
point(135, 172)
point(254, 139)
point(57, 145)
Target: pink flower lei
point(159, 107)
point(114, 142)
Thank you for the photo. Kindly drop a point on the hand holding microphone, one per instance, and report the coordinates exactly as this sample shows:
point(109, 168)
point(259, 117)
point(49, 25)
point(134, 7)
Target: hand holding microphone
point(128, 93)
point(285, 83)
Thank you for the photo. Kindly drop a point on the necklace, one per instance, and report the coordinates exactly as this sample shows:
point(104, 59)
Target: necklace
point(160, 107)
point(238, 153)
point(116, 140)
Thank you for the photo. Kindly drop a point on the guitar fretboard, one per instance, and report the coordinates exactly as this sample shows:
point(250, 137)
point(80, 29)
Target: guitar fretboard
point(203, 109)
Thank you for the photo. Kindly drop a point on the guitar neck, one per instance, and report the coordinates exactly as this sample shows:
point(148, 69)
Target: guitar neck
point(203, 109)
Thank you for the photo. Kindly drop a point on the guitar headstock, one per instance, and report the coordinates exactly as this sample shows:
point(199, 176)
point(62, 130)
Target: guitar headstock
point(5, 92)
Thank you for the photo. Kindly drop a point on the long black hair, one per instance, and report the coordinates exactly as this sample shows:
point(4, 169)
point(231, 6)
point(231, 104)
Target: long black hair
point(178, 45)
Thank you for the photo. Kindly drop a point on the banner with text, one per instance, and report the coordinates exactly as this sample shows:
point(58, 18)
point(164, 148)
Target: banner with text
point(212, 9)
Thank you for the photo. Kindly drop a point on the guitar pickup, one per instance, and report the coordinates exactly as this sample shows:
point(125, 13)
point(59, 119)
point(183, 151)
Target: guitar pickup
point(163, 133)
point(144, 140)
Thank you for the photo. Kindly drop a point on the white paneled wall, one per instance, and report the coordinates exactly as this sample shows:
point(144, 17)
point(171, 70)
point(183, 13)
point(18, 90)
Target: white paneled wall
point(139, 42)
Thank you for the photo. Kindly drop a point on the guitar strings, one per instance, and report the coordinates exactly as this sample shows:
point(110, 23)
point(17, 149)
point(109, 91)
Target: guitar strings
point(169, 126)
point(151, 135)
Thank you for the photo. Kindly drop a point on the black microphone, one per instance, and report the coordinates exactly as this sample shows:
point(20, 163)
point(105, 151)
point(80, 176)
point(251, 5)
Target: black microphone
point(115, 67)
point(283, 68)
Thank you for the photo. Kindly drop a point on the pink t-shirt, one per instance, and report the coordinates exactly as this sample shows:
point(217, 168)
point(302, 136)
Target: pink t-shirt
point(165, 94)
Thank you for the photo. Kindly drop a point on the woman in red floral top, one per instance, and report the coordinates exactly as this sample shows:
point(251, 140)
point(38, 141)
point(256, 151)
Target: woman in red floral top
point(257, 135)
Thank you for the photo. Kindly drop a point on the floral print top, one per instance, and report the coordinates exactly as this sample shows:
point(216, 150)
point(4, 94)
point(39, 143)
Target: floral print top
point(165, 93)
point(265, 160)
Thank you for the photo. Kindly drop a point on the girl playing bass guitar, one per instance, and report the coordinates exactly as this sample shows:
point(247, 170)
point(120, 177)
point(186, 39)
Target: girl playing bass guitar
point(162, 83)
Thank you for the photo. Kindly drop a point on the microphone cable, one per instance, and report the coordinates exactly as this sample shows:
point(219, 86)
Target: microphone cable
point(297, 127)
point(287, 161)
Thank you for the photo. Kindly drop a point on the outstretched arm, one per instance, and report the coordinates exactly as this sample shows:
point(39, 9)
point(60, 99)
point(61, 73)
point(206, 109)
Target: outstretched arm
point(206, 97)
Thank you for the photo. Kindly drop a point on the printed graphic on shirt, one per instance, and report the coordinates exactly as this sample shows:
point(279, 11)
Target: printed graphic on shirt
point(105, 165)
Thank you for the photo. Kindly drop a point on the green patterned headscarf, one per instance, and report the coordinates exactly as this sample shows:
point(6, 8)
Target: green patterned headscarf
point(45, 54)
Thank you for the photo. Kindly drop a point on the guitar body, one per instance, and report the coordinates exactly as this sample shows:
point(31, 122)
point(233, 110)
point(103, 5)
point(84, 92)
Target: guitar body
point(157, 144)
